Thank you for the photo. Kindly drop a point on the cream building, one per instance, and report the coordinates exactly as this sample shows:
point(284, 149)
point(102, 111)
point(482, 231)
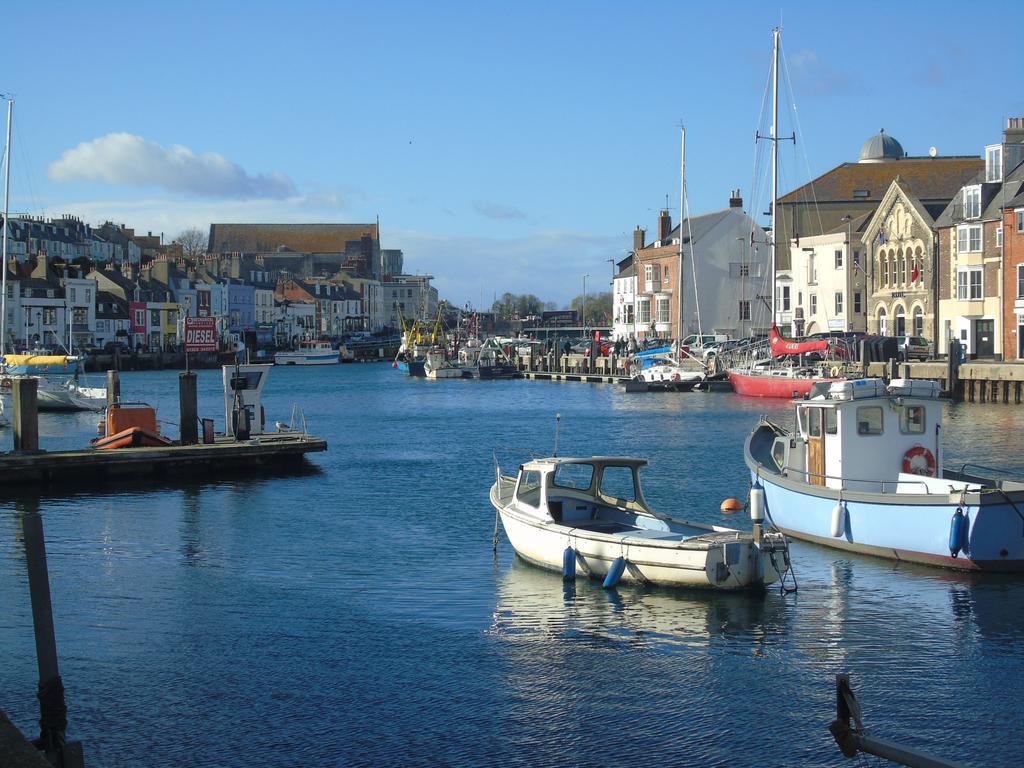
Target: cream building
point(899, 241)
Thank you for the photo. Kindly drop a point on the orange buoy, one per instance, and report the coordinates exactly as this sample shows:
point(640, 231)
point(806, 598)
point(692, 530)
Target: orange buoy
point(729, 506)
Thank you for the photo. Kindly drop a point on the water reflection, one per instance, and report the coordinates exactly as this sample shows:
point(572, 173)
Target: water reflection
point(534, 604)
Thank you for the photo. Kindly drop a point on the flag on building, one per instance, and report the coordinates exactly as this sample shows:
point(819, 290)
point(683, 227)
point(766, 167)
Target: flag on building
point(881, 234)
point(915, 274)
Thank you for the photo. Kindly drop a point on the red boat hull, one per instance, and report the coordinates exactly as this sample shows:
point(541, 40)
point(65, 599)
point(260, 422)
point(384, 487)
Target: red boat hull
point(761, 385)
point(133, 437)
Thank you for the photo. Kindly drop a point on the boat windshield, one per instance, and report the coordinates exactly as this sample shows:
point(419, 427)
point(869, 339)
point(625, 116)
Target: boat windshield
point(576, 476)
point(617, 483)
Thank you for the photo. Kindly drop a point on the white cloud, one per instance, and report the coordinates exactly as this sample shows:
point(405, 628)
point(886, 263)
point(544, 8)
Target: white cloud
point(498, 210)
point(124, 159)
point(814, 77)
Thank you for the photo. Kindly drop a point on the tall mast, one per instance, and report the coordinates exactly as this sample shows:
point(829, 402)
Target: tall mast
point(775, 159)
point(682, 213)
point(3, 262)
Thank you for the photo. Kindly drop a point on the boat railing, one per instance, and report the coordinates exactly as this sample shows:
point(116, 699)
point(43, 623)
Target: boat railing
point(855, 484)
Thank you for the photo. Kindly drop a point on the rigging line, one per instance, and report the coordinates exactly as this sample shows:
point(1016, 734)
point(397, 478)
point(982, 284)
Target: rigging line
point(685, 209)
point(803, 139)
point(758, 182)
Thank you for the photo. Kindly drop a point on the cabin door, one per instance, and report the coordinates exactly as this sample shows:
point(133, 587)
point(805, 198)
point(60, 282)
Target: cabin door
point(815, 447)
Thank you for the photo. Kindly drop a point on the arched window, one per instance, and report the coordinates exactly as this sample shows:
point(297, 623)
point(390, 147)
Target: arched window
point(919, 267)
point(903, 269)
point(884, 260)
point(901, 321)
point(883, 324)
point(918, 321)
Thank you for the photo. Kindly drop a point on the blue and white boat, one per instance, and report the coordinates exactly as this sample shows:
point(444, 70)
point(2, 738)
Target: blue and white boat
point(863, 471)
point(310, 352)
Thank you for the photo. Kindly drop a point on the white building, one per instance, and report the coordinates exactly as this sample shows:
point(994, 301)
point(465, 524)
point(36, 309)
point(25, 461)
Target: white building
point(624, 319)
point(826, 289)
point(408, 296)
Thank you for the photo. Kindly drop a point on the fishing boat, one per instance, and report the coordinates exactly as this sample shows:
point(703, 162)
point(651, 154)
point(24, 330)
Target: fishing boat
point(589, 515)
point(863, 471)
point(310, 352)
point(772, 377)
point(437, 365)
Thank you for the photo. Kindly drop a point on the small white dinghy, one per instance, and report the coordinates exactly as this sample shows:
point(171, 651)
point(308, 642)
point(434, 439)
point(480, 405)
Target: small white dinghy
point(589, 516)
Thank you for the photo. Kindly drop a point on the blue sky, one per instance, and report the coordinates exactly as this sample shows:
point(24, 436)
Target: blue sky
point(504, 146)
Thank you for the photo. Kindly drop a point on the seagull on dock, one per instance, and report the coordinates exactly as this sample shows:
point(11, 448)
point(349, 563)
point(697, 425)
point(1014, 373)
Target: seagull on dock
point(281, 426)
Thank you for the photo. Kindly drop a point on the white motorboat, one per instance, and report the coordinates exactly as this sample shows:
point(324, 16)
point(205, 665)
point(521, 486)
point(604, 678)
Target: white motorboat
point(310, 352)
point(668, 374)
point(590, 515)
point(437, 365)
point(70, 395)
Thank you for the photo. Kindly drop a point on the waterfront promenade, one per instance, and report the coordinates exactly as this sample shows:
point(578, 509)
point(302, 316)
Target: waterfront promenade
point(357, 616)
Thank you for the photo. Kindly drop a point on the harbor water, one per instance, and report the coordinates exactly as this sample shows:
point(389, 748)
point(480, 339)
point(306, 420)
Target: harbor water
point(355, 614)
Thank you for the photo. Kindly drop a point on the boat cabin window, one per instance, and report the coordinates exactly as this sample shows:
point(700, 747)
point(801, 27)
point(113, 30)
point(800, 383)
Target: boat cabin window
point(814, 422)
point(779, 453)
point(617, 482)
point(912, 420)
point(578, 476)
point(831, 421)
point(529, 488)
point(869, 420)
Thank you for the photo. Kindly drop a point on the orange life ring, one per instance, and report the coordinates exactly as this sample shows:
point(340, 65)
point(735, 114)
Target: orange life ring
point(929, 459)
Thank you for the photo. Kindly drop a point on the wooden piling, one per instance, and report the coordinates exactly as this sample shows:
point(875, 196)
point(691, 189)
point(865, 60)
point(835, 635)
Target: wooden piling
point(113, 388)
point(26, 414)
point(188, 402)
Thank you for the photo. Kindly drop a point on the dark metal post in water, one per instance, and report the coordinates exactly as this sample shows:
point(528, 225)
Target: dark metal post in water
point(26, 415)
point(53, 711)
point(188, 403)
point(113, 388)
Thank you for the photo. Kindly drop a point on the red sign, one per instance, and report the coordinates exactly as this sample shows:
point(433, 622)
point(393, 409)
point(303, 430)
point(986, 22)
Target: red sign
point(200, 334)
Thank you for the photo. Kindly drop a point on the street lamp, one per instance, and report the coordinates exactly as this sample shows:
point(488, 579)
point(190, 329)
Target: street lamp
point(584, 311)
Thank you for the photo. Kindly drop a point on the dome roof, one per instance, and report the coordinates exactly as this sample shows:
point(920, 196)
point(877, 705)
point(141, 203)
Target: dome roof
point(881, 148)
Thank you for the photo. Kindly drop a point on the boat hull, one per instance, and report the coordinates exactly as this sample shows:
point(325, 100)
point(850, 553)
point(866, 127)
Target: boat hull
point(133, 437)
point(300, 358)
point(720, 561)
point(766, 385)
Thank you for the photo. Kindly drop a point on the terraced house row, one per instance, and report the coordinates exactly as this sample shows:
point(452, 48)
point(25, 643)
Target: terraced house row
point(69, 286)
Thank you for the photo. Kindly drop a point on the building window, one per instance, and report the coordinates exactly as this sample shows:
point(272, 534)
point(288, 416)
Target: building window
point(883, 322)
point(154, 317)
point(856, 258)
point(782, 298)
point(918, 321)
point(814, 303)
point(644, 311)
point(968, 238)
point(856, 303)
point(72, 297)
point(839, 259)
point(839, 303)
point(994, 163)
point(968, 283)
point(1020, 220)
point(648, 272)
point(744, 310)
point(812, 271)
point(999, 237)
point(140, 317)
point(662, 310)
point(885, 268)
point(49, 316)
point(972, 202)
point(1020, 281)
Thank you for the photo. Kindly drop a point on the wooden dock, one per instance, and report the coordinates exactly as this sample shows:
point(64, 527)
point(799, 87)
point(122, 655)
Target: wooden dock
point(223, 456)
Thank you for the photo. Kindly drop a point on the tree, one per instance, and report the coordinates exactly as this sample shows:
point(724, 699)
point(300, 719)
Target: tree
point(598, 309)
point(192, 241)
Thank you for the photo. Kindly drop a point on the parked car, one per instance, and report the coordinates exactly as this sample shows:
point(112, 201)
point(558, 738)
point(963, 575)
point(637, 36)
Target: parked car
point(914, 347)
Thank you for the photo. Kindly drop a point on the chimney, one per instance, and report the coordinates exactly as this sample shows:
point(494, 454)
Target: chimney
point(160, 271)
point(735, 201)
point(664, 227)
point(1013, 143)
point(638, 239)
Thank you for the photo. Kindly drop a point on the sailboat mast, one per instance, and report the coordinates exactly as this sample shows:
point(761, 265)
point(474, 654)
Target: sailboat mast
point(682, 213)
point(775, 161)
point(3, 261)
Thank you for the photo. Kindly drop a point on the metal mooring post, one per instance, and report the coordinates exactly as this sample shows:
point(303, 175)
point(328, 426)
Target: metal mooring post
point(53, 711)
